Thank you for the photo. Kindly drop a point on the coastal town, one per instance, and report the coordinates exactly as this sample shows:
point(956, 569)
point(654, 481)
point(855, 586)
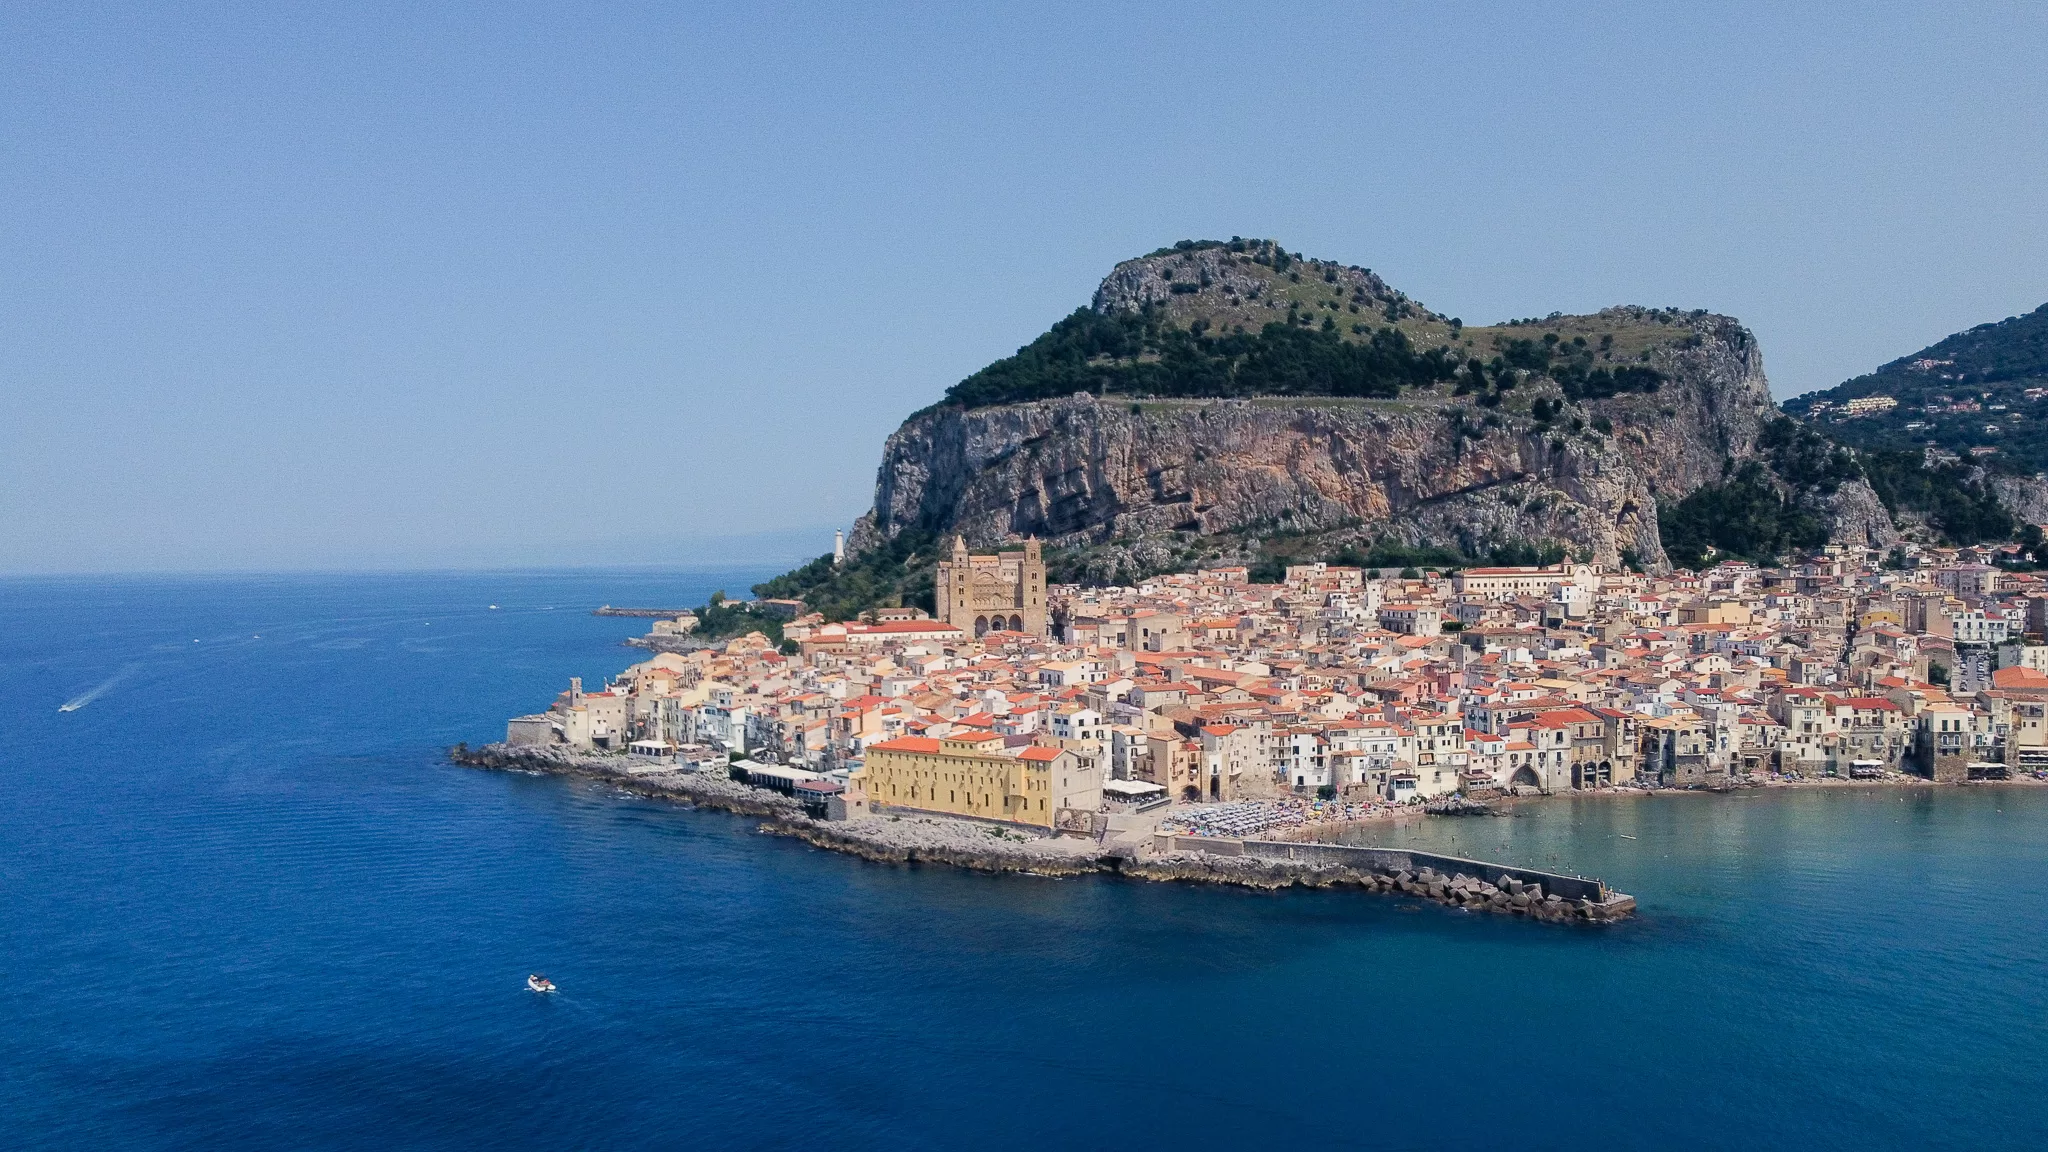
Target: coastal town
point(1207, 704)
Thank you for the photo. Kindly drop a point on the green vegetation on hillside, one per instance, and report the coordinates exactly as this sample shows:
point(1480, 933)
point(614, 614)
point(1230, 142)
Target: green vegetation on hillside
point(1267, 252)
point(1743, 517)
point(1140, 355)
point(1751, 517)
point(1571, 364)
point(1804, 459)
point(899, 573)
point(1246, 318)
point(1962, 511)
point(1966, 391)
point(722, 619)
point(1987, 354)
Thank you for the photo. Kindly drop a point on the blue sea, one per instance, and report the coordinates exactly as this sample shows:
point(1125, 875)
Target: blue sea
point(246, 903)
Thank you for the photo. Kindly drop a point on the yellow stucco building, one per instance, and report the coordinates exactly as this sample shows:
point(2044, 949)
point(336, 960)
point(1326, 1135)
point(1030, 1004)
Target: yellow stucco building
point(973, 774)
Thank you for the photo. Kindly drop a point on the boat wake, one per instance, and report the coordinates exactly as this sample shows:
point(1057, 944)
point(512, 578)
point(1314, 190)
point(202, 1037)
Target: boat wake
point(97, 690)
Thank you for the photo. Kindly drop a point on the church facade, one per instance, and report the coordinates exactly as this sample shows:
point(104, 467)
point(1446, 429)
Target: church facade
point(1004, 592)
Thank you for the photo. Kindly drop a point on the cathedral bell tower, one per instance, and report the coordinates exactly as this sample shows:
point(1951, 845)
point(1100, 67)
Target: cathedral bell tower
point(1000, 593)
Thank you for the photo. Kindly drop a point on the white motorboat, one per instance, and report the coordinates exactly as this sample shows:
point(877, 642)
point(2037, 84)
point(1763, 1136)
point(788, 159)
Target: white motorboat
point(540, 983)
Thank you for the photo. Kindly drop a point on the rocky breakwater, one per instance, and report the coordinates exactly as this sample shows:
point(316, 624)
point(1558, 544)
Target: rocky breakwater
point(1511, 897)
point(1281, 864)
point(1459, 805)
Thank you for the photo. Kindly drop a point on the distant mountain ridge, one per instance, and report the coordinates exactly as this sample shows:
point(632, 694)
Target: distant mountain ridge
point(1967, 391)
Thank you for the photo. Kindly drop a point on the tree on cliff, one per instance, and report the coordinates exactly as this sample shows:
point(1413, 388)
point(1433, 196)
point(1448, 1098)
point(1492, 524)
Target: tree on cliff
point(1744, 517)
point(1140, 354)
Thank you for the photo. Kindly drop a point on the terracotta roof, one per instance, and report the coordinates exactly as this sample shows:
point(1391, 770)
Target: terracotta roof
point(906, 744)
point(903, 626)
point(2019, 677)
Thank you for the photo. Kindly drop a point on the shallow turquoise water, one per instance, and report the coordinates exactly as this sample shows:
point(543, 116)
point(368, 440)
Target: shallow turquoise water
point(247, 905)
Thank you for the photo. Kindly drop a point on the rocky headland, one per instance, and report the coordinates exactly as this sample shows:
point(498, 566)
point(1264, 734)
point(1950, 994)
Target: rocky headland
point(1478, 455)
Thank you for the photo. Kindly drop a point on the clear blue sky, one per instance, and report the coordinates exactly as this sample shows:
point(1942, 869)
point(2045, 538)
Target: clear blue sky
point(416, 285)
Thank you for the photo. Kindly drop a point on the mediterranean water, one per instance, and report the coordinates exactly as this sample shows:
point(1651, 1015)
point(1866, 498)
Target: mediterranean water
point(245, 903)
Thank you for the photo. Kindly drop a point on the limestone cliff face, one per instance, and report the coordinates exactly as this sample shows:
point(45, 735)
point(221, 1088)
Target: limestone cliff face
point(1714, 404)
point(1081, 471)
point(1855, 516)
point(1429, 467)
point(2026, 496)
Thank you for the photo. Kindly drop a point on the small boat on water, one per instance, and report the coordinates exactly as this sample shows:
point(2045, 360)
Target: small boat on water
point(540, 983)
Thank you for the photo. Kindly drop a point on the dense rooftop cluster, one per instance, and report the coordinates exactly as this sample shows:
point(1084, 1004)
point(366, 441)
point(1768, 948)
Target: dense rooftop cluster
point(1341, 691)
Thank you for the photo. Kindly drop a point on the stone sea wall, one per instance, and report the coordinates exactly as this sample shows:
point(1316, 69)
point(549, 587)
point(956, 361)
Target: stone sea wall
point(916, 839)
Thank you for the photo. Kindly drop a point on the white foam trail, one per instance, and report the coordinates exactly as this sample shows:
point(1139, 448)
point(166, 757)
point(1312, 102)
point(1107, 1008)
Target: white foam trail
point(98, 690)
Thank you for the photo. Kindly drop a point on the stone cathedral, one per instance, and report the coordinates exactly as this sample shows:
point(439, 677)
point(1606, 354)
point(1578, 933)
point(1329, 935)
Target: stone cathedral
point(1000, 593)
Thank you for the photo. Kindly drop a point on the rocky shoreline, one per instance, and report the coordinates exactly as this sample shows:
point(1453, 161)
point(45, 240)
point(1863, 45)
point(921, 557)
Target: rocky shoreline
point(905, 838)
